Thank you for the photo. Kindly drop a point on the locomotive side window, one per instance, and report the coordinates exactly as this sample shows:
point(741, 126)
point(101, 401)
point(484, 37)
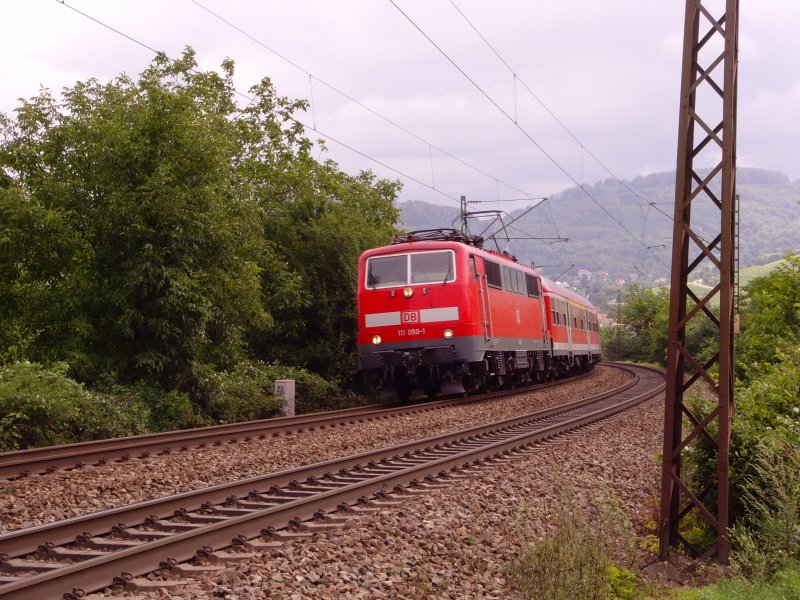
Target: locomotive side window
point(432, 267)
point(513, 280)
point(387, 270)
point(520, 281)
point(493, 277)
point(473, 267)
point(534, 289)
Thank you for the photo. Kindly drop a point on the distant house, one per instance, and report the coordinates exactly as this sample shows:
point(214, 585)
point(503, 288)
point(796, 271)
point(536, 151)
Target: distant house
point(602, 275)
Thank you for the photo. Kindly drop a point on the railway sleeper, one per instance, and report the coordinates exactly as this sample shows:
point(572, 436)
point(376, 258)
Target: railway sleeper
point(171, 527)
point(140, 584)
point(144, 536)
point(227, 556)
point(108, 544)
point(61, 553)
point(22, 565)
point(195, 518)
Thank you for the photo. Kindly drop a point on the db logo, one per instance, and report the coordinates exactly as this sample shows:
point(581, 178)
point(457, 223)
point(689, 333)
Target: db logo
point(411, 316)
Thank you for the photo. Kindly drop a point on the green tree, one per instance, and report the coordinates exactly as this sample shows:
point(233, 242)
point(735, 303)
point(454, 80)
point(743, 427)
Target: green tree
point(152, 230)
point(157, 262)
point(642, 325)
point(643, 329)
point(320, 220)
point(770, 316)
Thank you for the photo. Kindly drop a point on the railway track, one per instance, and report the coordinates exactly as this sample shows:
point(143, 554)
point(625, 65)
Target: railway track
point(48, 459)
point(90, 552)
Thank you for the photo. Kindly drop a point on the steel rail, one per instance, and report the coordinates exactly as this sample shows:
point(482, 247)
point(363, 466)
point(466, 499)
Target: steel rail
point(350, 485)
point(66, 456)
point(24, 541)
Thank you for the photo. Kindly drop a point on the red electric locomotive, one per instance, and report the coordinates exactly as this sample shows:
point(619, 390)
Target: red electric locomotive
point(439, 314)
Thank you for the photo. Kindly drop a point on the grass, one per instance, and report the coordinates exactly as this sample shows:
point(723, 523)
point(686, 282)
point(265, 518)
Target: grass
point(750, 273)
point(784, 586)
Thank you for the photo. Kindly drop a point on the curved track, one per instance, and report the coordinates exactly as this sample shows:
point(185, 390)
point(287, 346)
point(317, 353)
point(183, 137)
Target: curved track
point(90, 552)
point(69, 456)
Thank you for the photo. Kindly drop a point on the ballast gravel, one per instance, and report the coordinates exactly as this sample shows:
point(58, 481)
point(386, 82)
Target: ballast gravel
point(459, 540)
point(43, 499)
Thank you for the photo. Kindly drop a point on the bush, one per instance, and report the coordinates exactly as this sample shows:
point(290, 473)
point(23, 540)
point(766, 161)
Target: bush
point(767, 410)
point(163, 411)
point(769, 538)
point(247, 392)
point(41, 406)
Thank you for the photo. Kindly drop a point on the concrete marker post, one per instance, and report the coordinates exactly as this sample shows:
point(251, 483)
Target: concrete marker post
point(284, 391)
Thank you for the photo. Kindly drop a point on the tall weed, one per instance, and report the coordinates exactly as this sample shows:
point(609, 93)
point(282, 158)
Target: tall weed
point(576, 560)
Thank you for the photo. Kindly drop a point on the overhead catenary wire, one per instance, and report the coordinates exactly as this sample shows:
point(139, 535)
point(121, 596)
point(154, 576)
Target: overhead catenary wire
point(251, 99)
point(517, 125)
point(314, 127)
point(358, 103)
point(541, 102)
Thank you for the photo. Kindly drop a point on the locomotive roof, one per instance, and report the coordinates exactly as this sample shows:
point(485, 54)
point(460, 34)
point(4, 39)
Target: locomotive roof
point(437, 244)
point(414, 244)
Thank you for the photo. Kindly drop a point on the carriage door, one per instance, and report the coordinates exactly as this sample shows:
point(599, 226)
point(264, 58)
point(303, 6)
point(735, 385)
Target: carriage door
point(569, 329)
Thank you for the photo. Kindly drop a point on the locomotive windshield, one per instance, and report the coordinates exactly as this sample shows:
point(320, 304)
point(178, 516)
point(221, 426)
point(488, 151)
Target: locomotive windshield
point(432, 267)
point(387, 270)
point(406, 269)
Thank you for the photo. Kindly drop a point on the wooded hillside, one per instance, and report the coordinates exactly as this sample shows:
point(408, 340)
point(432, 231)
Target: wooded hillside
point(769, 224)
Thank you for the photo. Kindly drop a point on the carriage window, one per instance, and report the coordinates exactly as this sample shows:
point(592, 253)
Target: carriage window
point(432, 267)
point(387, 270)
point(493, 277)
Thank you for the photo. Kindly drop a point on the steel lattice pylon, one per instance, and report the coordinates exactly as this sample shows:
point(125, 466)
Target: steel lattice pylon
point(707, 136)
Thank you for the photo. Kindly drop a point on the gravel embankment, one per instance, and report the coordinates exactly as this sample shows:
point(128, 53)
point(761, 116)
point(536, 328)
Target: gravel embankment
point(457, 542)
point(43, 499)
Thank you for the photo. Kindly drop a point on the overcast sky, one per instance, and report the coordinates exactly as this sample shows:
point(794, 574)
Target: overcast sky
point(609, 71)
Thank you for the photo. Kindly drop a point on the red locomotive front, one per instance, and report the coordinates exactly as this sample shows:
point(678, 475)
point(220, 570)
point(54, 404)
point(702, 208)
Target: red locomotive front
point(445, 316)
point(415, 311)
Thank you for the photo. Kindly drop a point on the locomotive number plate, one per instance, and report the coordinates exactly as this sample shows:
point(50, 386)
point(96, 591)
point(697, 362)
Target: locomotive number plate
point(411, 331)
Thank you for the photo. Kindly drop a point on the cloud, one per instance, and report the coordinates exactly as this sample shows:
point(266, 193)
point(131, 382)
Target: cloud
point(610, 72)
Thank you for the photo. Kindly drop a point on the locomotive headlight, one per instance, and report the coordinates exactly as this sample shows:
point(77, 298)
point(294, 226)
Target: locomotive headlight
point(448, 334)
point(408, 292)
point(376, 339)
